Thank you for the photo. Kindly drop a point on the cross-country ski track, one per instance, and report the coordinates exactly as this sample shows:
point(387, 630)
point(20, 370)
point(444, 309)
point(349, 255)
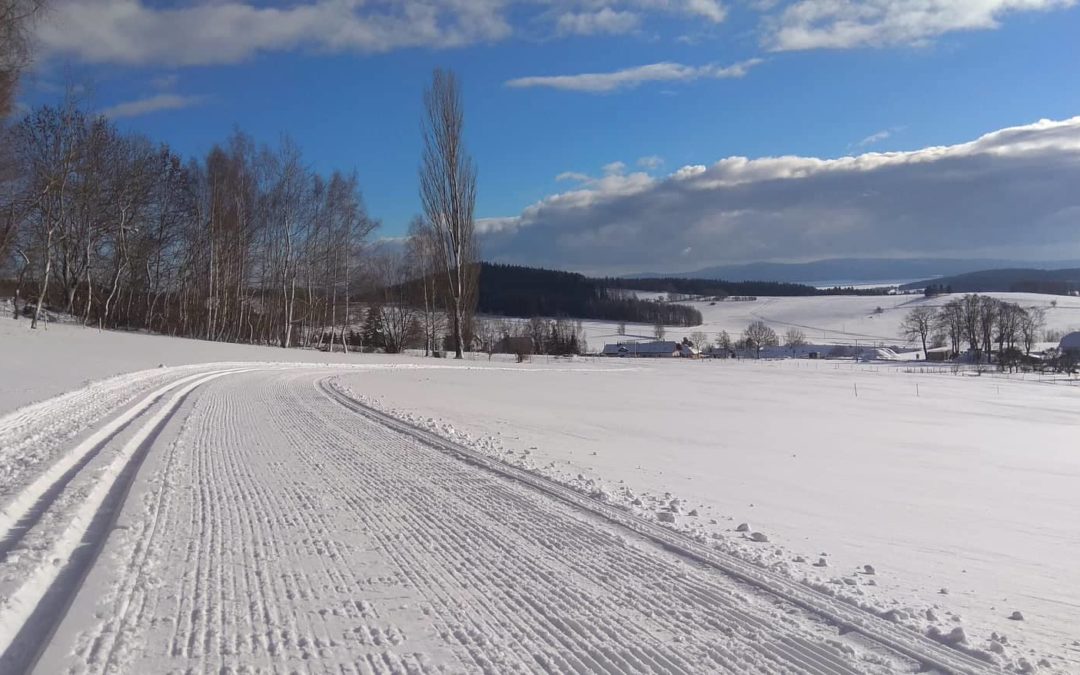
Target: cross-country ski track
point(256, 518)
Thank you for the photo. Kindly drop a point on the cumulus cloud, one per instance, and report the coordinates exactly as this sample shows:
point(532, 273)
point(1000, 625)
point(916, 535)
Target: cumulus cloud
point(605, 20)
point(228, 31)
point(843, 24)
point(210, 32)
point(630, 78)
point(151, 104)
point(707, 9)
point(1010, 190)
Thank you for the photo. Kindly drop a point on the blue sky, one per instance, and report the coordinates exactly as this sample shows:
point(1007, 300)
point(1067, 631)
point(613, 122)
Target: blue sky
point(754, 78)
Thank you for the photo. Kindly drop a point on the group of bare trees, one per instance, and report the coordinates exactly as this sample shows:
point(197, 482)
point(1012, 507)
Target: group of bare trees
point(985, 325)
point(246, 244)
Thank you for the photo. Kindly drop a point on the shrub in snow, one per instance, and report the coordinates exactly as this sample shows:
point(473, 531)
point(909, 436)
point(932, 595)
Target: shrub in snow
point(743, 527)
point(821, 562)
point(1016, 616)
point(665, 516)
point(759, 536)
point(869, 569)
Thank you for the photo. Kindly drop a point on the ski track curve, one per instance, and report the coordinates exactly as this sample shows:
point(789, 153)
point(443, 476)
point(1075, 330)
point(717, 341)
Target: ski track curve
point(263, 521)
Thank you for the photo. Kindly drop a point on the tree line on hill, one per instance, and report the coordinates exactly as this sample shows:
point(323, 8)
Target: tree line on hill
point(716, 288)
point(512, 290)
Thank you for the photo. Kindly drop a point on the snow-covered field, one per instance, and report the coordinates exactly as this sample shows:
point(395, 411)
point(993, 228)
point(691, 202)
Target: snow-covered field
point(244, 513)
point(844, 320)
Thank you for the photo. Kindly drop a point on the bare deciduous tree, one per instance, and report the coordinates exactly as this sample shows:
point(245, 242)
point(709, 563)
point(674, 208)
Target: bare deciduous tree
point(919, 324)
point(794, 337)
point(758, 335)
point(448, 195)
point(723, 341)
point(16, 23)
point(1031, 325)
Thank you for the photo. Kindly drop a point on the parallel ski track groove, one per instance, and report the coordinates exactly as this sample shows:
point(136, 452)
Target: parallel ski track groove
point(43, 598)
point(626, 631)
point(900, 640)
point(513, 573)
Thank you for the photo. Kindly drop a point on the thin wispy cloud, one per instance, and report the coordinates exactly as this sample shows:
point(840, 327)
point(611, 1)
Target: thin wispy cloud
point(604, 21)
point(874, 138)
point(151, 104)
point(846, 24)
point(650, 162)
point(630, 78)
point(1005, 190)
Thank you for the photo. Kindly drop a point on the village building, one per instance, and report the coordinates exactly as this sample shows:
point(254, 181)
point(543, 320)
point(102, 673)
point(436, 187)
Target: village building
point(644, 350)
point(1070, 344)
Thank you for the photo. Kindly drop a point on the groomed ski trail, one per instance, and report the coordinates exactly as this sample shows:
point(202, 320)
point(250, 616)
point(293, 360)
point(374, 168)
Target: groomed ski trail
point(263, 521)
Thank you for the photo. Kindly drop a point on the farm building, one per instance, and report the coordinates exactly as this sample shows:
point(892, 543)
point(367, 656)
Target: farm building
point(939, 354)
point(644, 350)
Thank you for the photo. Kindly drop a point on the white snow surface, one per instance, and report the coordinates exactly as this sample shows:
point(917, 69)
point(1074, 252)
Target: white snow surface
point(268, 526)
point(826, 320)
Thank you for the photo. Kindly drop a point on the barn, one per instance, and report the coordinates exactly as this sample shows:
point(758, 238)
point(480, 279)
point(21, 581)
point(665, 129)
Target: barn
point(644, 350)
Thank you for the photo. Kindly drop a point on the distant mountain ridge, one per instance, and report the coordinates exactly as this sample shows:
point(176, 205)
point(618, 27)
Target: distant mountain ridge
point(846, 271)
point(1025, 279)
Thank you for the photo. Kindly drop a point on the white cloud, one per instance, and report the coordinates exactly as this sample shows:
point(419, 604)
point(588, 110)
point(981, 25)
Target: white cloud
point(650, 162)
point(630, 78)
point(228, 31)
point(605, 20)
point(706, 9)
point(572, 176)
point(614, 168)
point(208, 32)
point(1013, 190)
point(842, 24)
point(151, 104)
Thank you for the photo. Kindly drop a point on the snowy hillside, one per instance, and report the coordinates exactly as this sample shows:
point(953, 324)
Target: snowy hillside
point(830, 319)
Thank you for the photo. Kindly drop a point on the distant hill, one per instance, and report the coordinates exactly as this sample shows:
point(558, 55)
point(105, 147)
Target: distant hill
point(511, 290)
point(516, 291)
point(848, 271)
point(1017, 280)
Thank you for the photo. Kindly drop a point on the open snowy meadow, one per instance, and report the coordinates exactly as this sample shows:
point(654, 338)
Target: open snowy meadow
point(173, 505)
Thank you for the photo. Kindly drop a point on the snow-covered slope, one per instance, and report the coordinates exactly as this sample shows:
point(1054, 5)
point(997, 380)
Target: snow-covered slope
point(829, 319)
point(939, 482)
